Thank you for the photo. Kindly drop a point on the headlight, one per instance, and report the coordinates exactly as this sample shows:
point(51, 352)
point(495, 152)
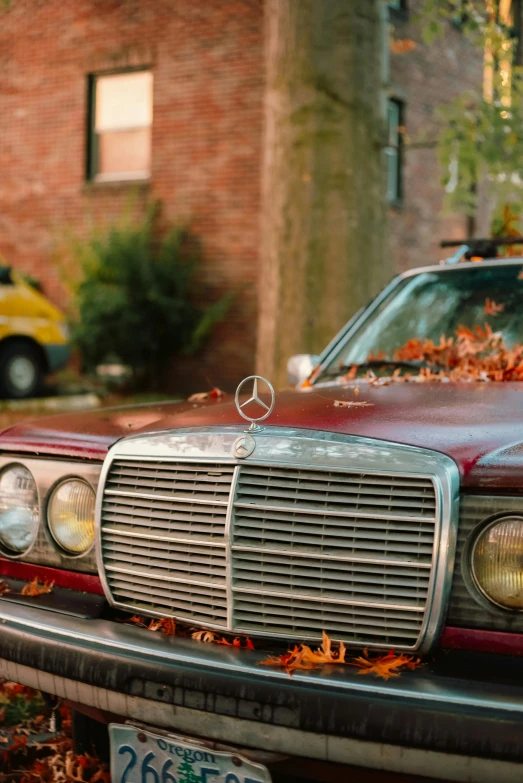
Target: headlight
point(18, 509)
point(70, 516)
point(497, 562)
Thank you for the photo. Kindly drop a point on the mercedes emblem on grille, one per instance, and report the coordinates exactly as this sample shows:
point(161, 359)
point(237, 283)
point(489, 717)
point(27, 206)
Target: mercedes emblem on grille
point(254, 400)
point(244, 446)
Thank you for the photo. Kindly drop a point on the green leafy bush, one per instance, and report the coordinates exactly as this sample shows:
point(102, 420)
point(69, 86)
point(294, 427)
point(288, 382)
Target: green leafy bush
point(136, 299)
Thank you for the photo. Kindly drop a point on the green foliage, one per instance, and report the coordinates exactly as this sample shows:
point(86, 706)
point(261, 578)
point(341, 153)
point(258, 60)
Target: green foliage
point(479, 20)
point(136, 301)
point(480, 133)
point(481, 140)
point(19, 705)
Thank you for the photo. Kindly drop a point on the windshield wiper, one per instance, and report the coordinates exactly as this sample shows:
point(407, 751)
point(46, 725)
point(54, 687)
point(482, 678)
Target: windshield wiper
point(370, 364)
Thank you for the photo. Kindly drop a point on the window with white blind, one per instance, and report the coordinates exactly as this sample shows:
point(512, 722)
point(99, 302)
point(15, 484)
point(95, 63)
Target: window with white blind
point(120, 122)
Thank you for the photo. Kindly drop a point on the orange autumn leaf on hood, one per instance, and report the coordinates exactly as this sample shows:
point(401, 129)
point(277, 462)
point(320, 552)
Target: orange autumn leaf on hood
point(352, 403)
point(214, 394)
point(473, 354)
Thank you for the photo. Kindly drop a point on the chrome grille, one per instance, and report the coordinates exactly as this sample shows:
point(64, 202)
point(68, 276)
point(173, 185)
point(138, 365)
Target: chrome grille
point(343, 552)
point(273, 549)
point(163, 537)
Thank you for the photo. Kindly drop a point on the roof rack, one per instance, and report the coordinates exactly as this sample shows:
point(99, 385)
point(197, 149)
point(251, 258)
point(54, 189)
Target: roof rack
point(483, 247)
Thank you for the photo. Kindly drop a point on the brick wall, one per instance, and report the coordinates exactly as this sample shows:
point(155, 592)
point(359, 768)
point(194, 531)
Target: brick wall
point(207, 63)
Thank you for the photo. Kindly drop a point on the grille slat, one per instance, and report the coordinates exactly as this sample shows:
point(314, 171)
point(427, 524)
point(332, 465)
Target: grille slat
point(309, 550)
point(331, 578)
point(302, 521)
point(198, 481)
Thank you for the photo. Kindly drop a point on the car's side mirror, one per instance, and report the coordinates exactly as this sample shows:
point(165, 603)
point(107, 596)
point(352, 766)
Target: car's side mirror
point(300, 366)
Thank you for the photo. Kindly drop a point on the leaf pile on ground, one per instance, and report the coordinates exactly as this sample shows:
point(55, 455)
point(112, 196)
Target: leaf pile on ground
point(54, 762)
point(31, 751)
point(477, 354)
point(19, 705)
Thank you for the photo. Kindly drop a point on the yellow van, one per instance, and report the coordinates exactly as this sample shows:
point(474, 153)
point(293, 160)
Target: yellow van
point(34, 338)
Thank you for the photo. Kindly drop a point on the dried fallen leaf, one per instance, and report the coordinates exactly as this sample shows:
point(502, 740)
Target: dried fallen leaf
point(204, 636)
point(303, 657)
point(137, 620)
point(213, 394)
point(210, 637)
point(35, 588)
point(402, 45)
point(166, 625)
point(385, 666)
point(477, 354)
point(491, 308)
point(351, 404)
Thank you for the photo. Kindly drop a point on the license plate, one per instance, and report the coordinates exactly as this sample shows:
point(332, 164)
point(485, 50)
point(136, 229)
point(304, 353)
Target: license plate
point(141, 756)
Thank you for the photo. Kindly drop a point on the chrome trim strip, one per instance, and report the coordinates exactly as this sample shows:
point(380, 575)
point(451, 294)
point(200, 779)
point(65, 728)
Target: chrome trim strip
point(153, 537)
point(160, 578)
point(169, 498)
point(228, 566)
point(345, 558)
point(443, 267)
point(326, 600)
point(332, 513)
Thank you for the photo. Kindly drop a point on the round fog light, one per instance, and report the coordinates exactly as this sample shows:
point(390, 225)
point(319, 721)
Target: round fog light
point(18, 510)
point(497, 562)
point(70, 516)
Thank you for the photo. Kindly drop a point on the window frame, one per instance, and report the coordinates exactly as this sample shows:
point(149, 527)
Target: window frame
point(92, 175)
point(399, 150)
point(398, 10)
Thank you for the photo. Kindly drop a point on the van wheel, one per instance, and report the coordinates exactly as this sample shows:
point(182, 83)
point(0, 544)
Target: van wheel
point(21, 371)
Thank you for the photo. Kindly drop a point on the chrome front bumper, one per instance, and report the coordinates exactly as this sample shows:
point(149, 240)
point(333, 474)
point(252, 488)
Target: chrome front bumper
point(223, 694)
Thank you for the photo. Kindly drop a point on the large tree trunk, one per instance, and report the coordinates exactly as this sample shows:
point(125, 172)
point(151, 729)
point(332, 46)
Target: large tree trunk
point(323, 210)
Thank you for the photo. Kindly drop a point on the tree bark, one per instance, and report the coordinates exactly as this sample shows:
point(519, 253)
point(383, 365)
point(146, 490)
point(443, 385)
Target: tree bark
point(323, 196)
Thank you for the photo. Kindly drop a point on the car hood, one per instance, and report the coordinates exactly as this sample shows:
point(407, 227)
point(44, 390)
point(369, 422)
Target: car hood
point(479, 425)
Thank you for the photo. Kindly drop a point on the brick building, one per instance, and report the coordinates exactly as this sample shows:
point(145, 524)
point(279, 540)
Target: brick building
point(73, 153)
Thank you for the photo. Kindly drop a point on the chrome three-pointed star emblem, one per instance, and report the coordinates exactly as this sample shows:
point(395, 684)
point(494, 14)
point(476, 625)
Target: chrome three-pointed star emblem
point(254, 400)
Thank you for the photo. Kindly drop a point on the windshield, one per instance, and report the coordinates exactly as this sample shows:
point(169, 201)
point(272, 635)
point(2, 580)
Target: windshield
point(432, 304)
